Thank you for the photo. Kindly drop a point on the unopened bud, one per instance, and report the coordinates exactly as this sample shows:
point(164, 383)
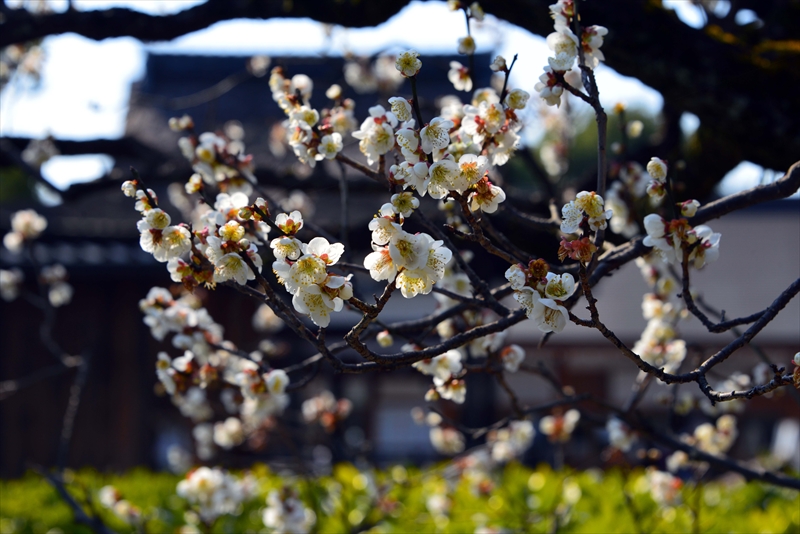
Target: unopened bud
point(689, 208)
point(385, 339)
point(244, 244)
point(245, 213)
point(499, 64)
point(129, 188)
point(797, 359)
point(656, 189)
point(334, 92)
point(432, 395)
point(634, 129)
point(657, 168)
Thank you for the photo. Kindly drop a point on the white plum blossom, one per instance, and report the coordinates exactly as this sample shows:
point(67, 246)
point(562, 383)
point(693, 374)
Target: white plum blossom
point(285, 513)
point(230, 265)
point(466, 45)
point(444, 366)
point(528, 299)
point(549, 315)
point(330, 145)
point(499, 64)
point(453, 390)
point(459, 76)
point(162, 241)
point(312, 301)
point(28, 223)
point(408, 63)
point(549, 88)
point(512, 441)
point(408, 140)
point(591, 41)
point(512, 356)
point(403, 204)
point(565, 46)
point(472, 168)
point(443, 177)
point(657, 169)
point(286, 248)
point(559, 428)
point(447, 440)
point(486, 196)
point(229, 433)
point(383, 226)
point(306, 271)
point(517, 99)
point(380, 264)
point(708, 248)
point(10, 283)
point(689, 208)
point(401, 108)
point(516, 276)
point(330, 253)
point(215, 492)
point(277, 380)
point(559, 287)
point(384, 339)
point(571, 218)
point(376, 134)
point(436, 136)
point(619, 435)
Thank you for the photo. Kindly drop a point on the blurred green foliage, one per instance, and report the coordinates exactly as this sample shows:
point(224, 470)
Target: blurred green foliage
point(441, 499)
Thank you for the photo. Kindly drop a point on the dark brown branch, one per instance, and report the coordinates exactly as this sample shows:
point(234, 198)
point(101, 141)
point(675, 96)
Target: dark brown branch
point(715, 328)
point(480, 285)
point(784, 187)
point(21, 25)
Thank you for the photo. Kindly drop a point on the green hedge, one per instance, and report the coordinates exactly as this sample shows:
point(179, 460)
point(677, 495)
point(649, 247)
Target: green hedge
point(517, 499)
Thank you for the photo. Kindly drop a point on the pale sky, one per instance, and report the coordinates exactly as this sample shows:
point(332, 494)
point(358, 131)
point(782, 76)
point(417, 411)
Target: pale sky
point(86, 84)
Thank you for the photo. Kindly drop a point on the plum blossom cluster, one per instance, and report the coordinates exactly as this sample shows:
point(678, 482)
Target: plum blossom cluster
point(588, 207)
point(59, 291)
point(659, 344)
point(11, 281)
point(511, 441)
point(327, 410)
point(302, 268)
point(366, 76)
point(657, 169)
point(671, 238)
point(208, 365)
point(586, 212)
point(713, 438)
point(484, 127)
point(446, 439)
point(620, 435)
point(542, 294)
point(26, 225)
point(213, 492)
point(559, 426)
point(225, 248)
point(313, 135)
point(625, 195)
point(446, 372)
point(109, 497)
point(285, 513)
point(217, 158)
point(415, 262)
point(565, 46)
